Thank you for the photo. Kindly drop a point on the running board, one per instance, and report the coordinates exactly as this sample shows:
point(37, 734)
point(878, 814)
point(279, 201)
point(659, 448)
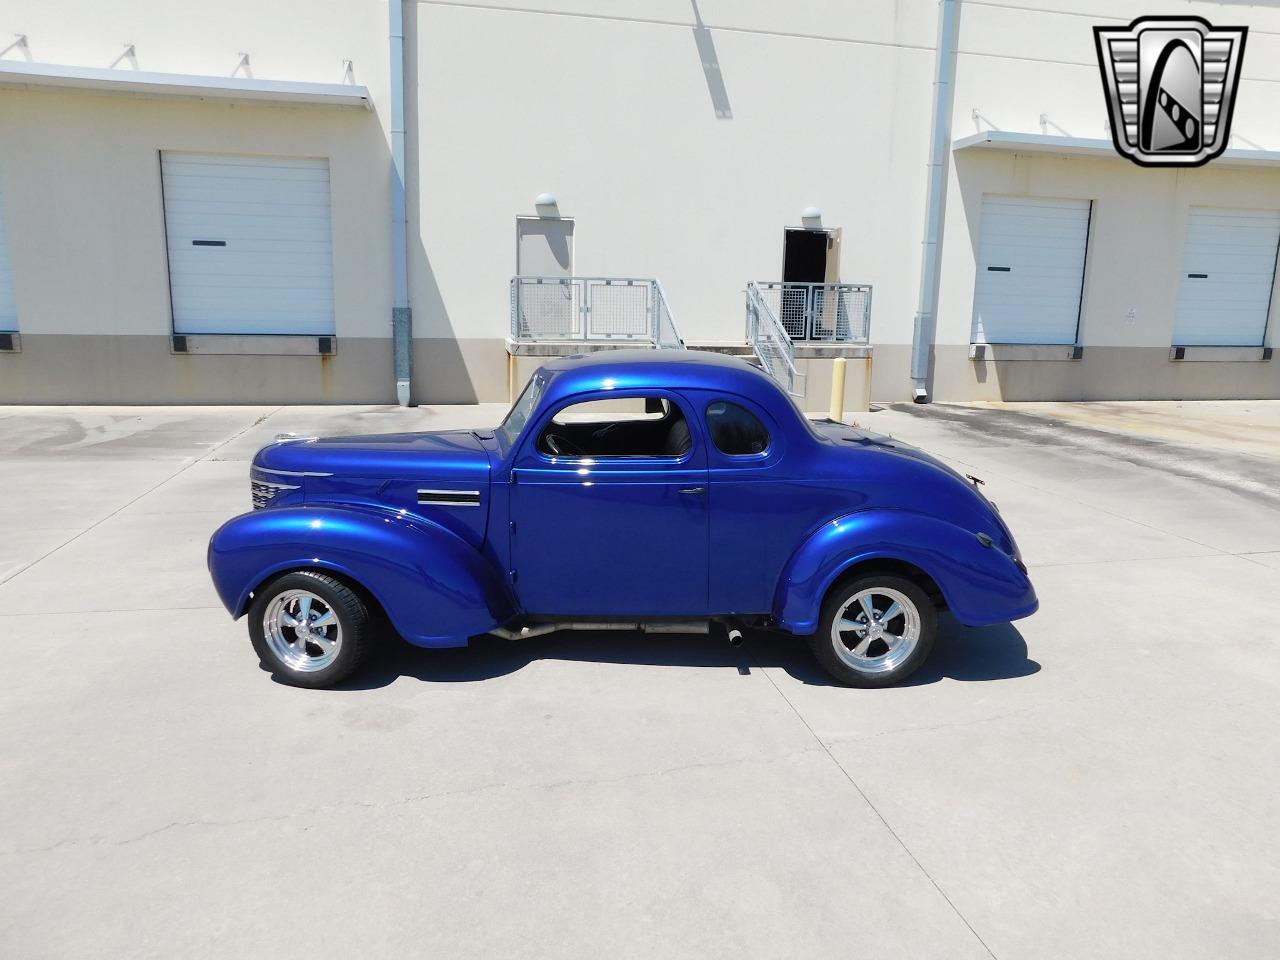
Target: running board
point(634, 626)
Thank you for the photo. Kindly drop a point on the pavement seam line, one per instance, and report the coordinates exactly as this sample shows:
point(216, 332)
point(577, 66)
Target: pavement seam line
point(876, 810)
point(99, 612)
point(150, 490)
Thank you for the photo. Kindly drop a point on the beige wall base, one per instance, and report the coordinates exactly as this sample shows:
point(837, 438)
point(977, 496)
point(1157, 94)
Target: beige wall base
point(142, 369)
point(817, 384)
point(1102, 373)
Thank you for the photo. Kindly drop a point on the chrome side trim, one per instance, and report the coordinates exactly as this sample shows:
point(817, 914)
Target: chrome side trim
point(292, 473)
point(449, 498)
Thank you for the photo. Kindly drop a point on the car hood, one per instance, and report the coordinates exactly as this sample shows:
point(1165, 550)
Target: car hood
point(440, 455)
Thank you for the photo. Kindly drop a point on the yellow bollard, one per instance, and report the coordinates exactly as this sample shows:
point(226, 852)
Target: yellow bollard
point(837, 388)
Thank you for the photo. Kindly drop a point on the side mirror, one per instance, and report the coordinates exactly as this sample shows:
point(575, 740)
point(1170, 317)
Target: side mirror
point(655, 405)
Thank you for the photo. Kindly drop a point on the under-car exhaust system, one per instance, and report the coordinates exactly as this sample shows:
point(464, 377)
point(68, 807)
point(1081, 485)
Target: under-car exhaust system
point(731, 632)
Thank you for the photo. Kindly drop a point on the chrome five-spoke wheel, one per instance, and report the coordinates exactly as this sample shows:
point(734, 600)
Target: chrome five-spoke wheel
point(308, 628)
point(876, 630)
point(302, 630)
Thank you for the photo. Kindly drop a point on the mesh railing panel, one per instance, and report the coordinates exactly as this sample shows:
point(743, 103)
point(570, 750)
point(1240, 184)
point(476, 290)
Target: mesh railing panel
point(830, 312)
point(592, 308)
point(619, 309)
point(546, 309)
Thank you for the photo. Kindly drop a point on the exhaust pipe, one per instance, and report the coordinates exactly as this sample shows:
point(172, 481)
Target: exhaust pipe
point(530, 631)
point(735, 637)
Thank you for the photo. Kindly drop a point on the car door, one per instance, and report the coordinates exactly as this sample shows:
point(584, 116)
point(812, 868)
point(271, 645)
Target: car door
point(615, 523)
point(764, 502)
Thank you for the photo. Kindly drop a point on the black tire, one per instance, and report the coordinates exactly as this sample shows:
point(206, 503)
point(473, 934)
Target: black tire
point(823, 642)
point(353, 621)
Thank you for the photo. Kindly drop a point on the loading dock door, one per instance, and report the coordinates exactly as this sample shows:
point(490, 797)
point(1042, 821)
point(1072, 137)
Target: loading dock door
point(1228, 268)
point(8, 308)
point(1030, 270)
point(249, 244)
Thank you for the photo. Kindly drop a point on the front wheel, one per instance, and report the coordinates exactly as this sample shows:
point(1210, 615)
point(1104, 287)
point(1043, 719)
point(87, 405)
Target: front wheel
point(875, 631)
point(309, 629)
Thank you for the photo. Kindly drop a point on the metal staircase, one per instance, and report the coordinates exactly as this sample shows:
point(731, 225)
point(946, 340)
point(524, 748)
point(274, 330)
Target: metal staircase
point(780, 314)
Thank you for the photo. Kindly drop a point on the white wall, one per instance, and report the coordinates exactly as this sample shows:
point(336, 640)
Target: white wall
point(612, 113)
point(1023, 58)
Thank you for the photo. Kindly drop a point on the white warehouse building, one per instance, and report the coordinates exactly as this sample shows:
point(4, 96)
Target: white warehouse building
point(199, 203)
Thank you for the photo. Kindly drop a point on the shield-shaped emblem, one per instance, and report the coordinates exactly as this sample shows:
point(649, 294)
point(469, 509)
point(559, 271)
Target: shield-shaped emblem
point(1170, 84)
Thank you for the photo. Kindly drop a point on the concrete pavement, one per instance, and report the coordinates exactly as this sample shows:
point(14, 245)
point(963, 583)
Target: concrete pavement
point(1099, 780)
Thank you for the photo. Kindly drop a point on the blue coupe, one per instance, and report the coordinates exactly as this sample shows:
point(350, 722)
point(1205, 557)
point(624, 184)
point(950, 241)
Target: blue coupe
point(653, 490)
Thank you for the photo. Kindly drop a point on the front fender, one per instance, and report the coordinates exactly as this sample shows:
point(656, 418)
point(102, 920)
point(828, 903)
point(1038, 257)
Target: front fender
point(981, 585)
point(437, 589)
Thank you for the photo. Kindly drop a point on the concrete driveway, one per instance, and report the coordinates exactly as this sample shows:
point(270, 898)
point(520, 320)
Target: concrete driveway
point(1100, 780)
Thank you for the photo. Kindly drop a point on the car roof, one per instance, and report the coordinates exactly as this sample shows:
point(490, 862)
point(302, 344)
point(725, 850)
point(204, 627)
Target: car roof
point(655, 369)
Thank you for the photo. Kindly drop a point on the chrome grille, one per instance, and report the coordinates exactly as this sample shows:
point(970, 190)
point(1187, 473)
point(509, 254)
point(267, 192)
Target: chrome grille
point(263, 491)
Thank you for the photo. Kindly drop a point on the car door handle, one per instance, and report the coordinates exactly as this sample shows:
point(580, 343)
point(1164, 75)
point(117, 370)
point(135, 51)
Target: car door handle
point(693, 490)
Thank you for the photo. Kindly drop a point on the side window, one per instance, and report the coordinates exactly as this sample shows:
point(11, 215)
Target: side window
point(618, 427)
point(735, 430)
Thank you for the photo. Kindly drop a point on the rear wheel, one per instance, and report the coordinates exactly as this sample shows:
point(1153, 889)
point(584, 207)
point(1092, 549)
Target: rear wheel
point(309, 629)
point(875, 631)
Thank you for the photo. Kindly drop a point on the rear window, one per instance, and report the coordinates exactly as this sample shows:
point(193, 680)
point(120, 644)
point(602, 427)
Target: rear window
point(735, 430)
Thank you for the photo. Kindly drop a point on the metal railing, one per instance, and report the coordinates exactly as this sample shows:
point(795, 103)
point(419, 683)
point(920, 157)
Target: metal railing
point(592, 309)
point(820, 312)
point(772, 345)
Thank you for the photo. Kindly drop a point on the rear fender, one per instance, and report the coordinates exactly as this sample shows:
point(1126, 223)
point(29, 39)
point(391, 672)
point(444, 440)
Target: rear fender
point(437, 589)
point(981, 585)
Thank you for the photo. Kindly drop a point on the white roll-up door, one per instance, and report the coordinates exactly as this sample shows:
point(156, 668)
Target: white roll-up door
point(1228, 267)
point(8, 306)
point(249, 244)
point(1030, 270)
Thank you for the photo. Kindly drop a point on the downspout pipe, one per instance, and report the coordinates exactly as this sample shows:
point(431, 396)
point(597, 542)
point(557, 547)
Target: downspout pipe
point(944, 83)
point(401, 314)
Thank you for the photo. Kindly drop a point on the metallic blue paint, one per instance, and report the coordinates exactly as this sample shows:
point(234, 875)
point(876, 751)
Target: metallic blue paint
point(437, 589)
point(608, 536)
point(767, 536)
point(981, 585)
point(448, 453)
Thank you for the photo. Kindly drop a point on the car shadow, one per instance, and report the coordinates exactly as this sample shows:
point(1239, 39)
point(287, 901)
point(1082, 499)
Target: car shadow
point(969, 654)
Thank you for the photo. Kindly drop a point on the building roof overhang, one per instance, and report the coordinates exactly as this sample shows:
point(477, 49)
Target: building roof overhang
point(1012, 142)
point(25, 75)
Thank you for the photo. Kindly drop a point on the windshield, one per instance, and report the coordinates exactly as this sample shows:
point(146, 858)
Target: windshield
point(518, 418)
